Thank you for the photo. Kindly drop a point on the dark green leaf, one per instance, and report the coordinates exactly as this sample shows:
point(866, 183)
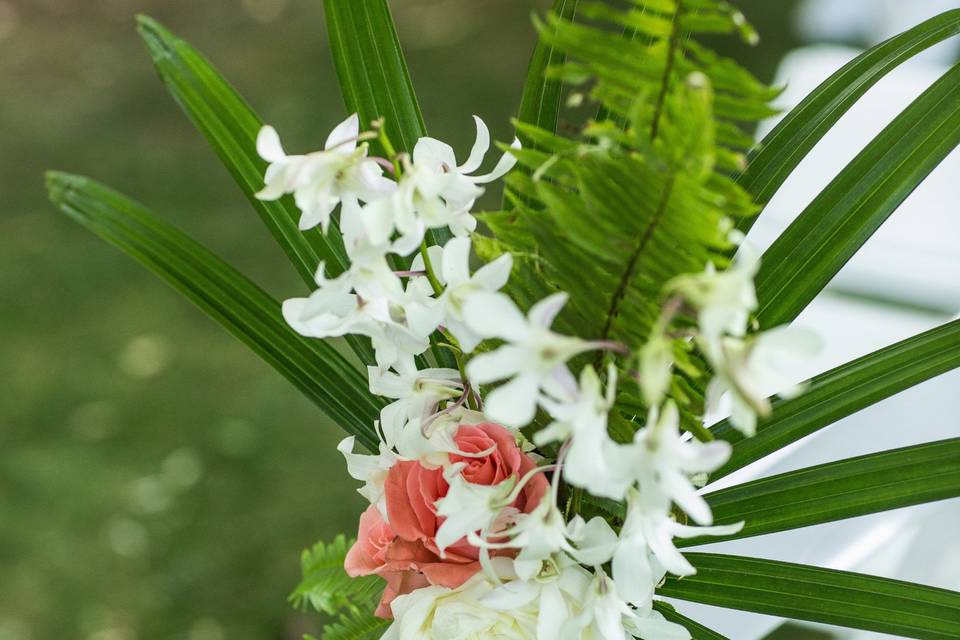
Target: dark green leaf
point(782, 149)
point(852, 207)
point(244, 309)
point(819, 595)
point(838, 490)
point(845, 390)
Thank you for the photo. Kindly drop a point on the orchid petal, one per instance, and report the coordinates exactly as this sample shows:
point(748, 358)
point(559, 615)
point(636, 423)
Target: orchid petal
point(496, 365)
point(543, 313)
point(495, 315)
point(514, 403)
point(343, 138)
point(503, 166)
point(479, 149)
point(268, 145)
point(456, 261)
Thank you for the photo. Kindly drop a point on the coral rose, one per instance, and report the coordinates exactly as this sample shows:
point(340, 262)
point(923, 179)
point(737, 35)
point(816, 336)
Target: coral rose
point(404, 551)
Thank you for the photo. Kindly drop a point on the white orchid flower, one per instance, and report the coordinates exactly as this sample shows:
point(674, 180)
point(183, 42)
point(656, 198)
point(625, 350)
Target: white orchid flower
point(333, 311)
point(533, 358)
point(321, 180)
point(433, 192)
point(724, 299)
point(454, 183)
point(452, 266)
point(648, 623)
point(417, 392)
point(667, 461)
point(369, 469)
point(752, 370)
point(593, 460)
point(606, 616)
point(649, 523)
point(539, 535)
point(470, 507)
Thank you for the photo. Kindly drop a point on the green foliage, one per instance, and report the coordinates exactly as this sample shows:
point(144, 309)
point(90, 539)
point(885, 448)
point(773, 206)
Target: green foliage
point(230, 126)
point(540, 102)
point(327, 588)
point(819, 595)
point(616, 212)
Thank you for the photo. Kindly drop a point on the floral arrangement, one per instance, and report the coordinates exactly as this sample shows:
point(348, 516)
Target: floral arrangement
point(471, 524)
point(532, 431)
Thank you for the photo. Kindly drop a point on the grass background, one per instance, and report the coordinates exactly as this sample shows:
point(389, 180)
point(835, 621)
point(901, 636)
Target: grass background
point(156, 479)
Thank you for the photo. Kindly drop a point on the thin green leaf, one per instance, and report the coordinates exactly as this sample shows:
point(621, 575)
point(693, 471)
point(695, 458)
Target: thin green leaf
point(852, 207)
point(540, 102)
point(245, 310)
point(230, 126)
point(838, 490)
point(371, 68)
point(697, 630)
point(373, 74)
point(782, 149)
point(819, 595)
point(843, 391)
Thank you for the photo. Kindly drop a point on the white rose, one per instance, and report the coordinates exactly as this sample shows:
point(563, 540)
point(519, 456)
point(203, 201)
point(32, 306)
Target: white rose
point(438, 613)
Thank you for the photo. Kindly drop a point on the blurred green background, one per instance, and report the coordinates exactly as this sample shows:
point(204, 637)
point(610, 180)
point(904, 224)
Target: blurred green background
point(156, 479)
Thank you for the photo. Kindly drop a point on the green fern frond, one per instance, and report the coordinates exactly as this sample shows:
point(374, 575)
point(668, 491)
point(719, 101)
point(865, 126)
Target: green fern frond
point(643, 193)
point(356, 626)
point(326, 586)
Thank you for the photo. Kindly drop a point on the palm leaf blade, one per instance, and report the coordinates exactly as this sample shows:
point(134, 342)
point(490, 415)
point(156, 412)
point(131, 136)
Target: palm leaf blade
point(852, 207)
point(819, 595)
point(837, 490)
point(244, 309)
point(779, 153)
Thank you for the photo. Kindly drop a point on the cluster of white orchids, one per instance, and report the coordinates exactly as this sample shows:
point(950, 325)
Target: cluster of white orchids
point(468, 521)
